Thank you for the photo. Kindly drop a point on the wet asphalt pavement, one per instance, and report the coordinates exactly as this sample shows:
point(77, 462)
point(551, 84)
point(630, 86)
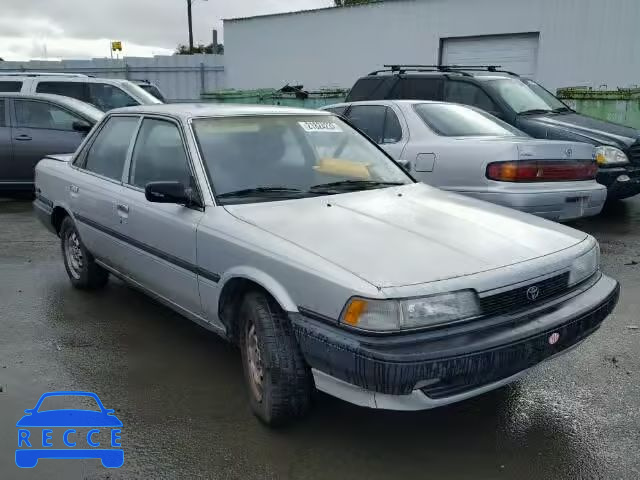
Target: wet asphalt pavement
point(179, 391)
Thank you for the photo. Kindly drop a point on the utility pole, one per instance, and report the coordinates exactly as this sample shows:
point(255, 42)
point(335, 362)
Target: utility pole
point(189, 2)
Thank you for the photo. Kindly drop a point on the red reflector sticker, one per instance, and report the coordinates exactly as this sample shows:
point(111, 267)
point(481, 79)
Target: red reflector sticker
point(553, 338)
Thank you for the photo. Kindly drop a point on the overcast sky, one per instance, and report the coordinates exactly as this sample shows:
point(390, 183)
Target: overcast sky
point(56, 29)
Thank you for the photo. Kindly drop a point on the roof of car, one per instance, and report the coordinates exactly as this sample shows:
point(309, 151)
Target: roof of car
point(455, 73)
point(380, 102)
point(62, 78)
point(187, 110)
point(73, 103)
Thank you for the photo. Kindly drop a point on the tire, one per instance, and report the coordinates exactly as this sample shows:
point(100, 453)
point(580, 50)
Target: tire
point(81, 267)
point(278, 379)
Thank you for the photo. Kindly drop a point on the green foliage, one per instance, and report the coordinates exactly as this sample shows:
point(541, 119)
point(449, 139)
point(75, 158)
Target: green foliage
point(200, 48)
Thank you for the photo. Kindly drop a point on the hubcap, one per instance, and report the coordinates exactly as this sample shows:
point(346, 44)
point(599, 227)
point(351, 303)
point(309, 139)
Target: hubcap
point(254, 359)
point(75, 260)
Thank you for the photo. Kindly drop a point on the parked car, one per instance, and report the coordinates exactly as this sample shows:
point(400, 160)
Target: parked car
point(103, 93)
point(520, 102)
point(287, 231)
point(32, 126)
point(466, 150)
point(151, 88)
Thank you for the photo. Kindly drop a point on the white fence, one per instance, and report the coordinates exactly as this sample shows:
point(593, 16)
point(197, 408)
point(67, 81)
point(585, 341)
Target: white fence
point(180, 77)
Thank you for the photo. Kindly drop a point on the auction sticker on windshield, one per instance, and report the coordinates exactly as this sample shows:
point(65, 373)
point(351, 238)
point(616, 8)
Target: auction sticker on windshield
point(320, 127)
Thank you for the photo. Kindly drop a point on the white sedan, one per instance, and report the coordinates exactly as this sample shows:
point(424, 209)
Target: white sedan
point(468, 151)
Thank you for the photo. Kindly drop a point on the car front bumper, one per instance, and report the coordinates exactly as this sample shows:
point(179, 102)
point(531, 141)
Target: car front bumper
point(436, 367)
point(621, 182)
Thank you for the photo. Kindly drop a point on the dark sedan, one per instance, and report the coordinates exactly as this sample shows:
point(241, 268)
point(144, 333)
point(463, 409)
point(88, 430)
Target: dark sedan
point(33, 126)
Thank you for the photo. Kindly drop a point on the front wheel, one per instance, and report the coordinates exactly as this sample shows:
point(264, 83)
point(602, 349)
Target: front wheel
point(278, 378)
point(83, 271)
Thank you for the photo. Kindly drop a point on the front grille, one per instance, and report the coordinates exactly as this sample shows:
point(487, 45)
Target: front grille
point(474, 371)
point(634, 153)
point(516, 299)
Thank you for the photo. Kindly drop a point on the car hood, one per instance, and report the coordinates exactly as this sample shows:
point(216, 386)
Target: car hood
point(409, 235)
point(589, 128)
point(69, 418)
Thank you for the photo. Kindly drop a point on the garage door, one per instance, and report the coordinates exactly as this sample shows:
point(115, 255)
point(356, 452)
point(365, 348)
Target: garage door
point(517, 53)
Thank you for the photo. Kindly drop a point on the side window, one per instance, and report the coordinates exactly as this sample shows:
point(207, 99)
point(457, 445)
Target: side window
point(364, 89)
point(417, 88)
point(107, 154)
point(10, 86)
point(33, 114)
point(468, 94)
point(107, 97)
point(159, 155)
point(369, 119)
point(75, 90)
point(392, 128)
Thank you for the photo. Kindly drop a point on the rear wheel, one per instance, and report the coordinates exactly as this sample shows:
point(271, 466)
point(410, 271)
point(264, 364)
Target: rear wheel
point(81, 267)
point(277, 376)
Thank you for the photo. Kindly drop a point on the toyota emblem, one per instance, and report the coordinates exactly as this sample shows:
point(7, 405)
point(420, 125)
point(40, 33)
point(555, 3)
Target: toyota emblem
point(532, 293)
point(553, 338)
point(569, 152)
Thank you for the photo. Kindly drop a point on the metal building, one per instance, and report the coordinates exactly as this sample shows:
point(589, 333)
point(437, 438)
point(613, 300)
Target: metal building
point(557, 42)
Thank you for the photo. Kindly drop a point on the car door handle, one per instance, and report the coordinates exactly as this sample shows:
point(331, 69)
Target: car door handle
point(23, 138)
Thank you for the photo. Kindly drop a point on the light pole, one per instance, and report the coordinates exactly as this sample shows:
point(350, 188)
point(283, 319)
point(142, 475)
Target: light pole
point(189, 3)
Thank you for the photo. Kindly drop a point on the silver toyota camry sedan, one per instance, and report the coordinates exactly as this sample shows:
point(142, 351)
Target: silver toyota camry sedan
point(291, 234)
point(467, 150)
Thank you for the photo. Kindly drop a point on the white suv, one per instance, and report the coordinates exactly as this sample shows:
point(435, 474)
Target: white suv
point(104, 93)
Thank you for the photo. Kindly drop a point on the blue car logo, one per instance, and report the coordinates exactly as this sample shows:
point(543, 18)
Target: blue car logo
point(32, 446)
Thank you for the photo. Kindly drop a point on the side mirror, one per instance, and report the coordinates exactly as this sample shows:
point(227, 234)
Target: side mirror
point(82, 127)
point(167, 192)
point(405, 164)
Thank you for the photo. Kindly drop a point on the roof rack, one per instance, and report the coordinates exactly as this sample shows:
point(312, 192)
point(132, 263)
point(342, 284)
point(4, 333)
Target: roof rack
point(461, 69)
point(39, 74)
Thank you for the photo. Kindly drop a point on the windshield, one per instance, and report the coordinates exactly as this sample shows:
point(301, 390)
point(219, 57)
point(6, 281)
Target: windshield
point(451, 120)
point(153, 90)
point(144, 97)
point(264, 158)
point(526, 95)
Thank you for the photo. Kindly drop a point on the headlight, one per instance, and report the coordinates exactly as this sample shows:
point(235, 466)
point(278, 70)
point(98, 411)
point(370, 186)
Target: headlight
point(390, 315)
point(610, 156)
point(585, 266)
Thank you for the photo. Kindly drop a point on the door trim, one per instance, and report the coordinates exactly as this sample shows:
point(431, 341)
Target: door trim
point(213, 277)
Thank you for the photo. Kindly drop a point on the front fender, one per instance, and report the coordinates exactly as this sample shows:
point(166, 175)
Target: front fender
point(266, 281)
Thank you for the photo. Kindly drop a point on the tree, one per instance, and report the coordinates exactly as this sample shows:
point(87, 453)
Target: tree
point(346, 3)
point(200, 48)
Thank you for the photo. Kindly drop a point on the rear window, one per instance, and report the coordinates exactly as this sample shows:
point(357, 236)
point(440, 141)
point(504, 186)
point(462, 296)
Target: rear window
point(10, 86)
point(451, 120)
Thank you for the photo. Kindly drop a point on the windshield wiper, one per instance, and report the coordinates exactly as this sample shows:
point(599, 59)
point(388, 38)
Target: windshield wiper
point(534, 111)
point(562, 110)
point(353, 185)
point(263, 191)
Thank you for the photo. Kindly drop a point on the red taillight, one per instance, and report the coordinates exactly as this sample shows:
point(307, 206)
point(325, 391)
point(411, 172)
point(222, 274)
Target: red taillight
point(542, 171)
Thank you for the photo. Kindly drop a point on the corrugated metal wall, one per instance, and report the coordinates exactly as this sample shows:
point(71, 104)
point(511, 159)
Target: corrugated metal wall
point(582, 42)
point(180, 77)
